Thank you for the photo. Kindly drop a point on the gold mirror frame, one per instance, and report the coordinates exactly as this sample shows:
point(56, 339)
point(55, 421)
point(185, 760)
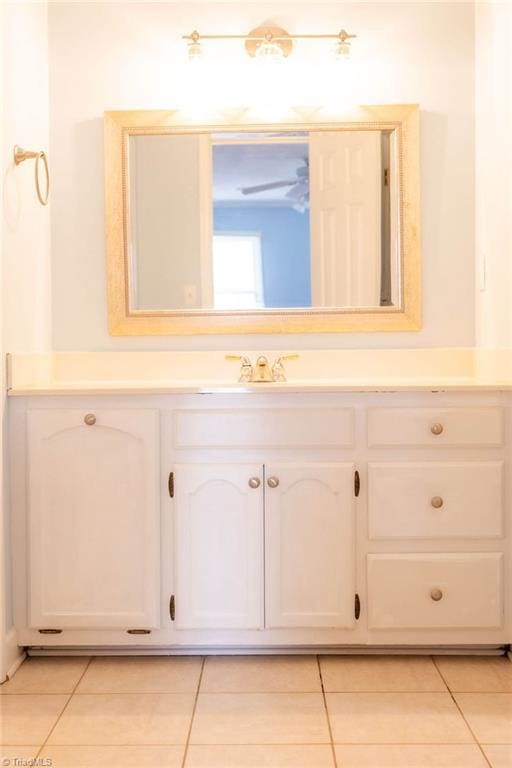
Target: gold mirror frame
point(124, 321)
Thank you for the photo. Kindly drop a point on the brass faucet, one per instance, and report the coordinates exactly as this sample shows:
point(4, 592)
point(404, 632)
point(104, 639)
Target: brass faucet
point(262, 372)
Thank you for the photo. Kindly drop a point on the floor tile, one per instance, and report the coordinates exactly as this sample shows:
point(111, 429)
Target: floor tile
point(134, 674)
point(29, 718)
point(125, 719)
point(473, 674)
point(260, 718)
point(380, 673)
point(489, 716)
point(410, 756)
point(261, 674)
point(46, 675)
point(499, 755)
point(114, 757)
point(235, 756)
point(396, 718)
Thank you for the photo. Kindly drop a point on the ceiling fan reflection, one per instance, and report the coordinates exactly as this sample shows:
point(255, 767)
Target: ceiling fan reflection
point(299, 187)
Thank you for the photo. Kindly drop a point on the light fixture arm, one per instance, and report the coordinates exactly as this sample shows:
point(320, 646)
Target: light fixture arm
point(196, 37)
point(268, 41)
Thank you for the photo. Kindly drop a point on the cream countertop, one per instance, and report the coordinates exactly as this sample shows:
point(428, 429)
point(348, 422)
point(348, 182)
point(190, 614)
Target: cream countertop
point(209, 372)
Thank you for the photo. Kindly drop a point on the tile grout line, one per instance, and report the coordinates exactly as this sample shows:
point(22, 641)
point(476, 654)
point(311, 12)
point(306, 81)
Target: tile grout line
point(335, 763)
point(178, 693)
point(461, 712)
point(422, 743)
point(187, 743)
point(45, 743)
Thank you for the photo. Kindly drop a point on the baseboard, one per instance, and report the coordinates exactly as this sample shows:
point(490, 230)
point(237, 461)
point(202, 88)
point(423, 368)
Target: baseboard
point(13, 654)
point(438, 650)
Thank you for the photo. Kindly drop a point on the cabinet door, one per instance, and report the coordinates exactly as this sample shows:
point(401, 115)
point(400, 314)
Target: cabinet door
point(219, 546)
point(310, 546)
point(94, 519)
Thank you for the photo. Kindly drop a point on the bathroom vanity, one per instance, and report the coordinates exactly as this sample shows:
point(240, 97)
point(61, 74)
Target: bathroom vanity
point(157, 505)
point(176, 516)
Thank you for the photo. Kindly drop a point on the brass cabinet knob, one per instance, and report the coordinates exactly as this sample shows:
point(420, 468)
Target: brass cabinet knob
point(90, 419)
point(273, 482)
point(437, 502)
point(436, 594)
point(254, 482)
point(437, 428)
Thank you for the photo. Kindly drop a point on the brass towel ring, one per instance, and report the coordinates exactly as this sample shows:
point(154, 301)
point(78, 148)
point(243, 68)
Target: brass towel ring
point(20, 155)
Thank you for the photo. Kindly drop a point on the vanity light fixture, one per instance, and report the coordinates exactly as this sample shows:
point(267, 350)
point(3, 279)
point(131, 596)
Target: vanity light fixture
point(269, 43)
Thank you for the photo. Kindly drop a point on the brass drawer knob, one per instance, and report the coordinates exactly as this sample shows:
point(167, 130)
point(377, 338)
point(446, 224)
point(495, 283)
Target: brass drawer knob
point(254, 482)
point(437, 502)
point(90, 419)
point(437, 428)
point(436, 595)
point(273, 482)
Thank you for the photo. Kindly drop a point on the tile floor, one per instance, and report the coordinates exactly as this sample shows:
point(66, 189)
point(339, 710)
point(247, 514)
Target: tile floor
point(259, 712)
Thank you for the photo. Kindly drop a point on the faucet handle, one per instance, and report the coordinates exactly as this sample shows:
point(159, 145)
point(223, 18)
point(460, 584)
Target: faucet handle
point(246, 370)
point(278, 371)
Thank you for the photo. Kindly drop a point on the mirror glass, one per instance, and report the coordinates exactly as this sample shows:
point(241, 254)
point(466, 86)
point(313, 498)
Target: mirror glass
point(269, 220)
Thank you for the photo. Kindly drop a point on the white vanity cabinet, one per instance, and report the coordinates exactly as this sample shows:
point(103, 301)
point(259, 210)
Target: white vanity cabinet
point(262, 520)
point(93, 519)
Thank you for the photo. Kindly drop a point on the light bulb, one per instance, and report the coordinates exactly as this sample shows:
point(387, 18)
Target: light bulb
point(195, 51)
point(269, 52)
point(342, 49)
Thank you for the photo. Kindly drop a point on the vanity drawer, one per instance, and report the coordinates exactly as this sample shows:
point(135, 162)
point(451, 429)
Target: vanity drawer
point(321, 427)
point(431, 500)
point(435, 591)
point(435, 426)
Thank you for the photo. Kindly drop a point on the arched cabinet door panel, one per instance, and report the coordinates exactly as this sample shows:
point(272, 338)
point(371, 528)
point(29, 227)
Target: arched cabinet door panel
point(219, 546)
point(310, 546)
point(94, 519)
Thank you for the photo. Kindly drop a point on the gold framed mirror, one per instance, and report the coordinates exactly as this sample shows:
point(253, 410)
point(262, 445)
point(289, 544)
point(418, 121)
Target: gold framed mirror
point(250, 227)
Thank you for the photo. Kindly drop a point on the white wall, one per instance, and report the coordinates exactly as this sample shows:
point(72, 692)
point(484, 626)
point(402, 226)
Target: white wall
point(5, 606)
point(129, 56)
point(25, 232)
point(26, 224)
point(493, 60)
